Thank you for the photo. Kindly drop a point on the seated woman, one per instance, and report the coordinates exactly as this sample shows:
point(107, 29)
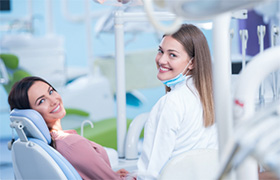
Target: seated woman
point(88, 158)
point(183, 119)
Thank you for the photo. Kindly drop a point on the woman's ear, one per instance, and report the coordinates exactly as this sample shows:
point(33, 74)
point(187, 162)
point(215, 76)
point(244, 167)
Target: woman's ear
point(191, 65)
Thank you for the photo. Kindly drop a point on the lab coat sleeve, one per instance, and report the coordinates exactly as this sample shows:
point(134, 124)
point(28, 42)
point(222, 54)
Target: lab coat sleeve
point(160, 136)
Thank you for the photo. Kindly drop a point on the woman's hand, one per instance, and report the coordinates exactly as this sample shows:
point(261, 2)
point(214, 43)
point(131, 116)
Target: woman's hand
point(268, 175)
point(122, 172)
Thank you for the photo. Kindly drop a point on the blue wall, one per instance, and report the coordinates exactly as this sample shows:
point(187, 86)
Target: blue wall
point(74, 33)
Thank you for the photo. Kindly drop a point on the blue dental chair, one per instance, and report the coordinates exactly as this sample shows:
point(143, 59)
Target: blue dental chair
point(33, 157)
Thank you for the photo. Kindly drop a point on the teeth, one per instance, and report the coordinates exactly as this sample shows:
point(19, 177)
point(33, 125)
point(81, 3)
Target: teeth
point(56, 108)
point(163, 69)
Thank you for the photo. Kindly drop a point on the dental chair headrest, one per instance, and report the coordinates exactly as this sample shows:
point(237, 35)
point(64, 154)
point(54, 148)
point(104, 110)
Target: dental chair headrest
point(34, 124)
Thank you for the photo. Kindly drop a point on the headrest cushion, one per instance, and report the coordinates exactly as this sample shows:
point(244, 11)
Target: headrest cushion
point(34, 124)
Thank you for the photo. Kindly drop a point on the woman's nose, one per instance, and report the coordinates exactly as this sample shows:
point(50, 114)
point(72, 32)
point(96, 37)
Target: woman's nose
point(162, 59)
point(53, 100)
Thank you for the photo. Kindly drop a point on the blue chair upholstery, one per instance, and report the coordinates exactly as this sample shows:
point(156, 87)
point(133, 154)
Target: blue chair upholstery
point(33, 157)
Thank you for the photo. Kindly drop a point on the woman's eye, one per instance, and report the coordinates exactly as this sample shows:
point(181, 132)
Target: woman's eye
point(51, 91)
point(160, 51)
point(173, 55)
point(41, 101)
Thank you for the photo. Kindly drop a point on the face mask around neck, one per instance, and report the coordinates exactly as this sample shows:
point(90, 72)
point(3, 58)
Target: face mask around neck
point(179, 78)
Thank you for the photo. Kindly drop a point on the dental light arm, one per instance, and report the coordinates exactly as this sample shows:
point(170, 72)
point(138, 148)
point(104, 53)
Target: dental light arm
point(165, 29)
point(205, 9)
point(194, 10)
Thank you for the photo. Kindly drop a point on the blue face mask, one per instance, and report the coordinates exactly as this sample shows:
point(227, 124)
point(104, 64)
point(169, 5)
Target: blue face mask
point(179, 78)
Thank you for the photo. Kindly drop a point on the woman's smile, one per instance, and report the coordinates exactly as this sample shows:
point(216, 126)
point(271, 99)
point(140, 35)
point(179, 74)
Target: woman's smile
point(163, 69)
point(57, 109)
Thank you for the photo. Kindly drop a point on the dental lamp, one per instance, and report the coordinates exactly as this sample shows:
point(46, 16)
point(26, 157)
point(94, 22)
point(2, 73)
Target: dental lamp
point(194, 10)
point(119, 2)
point(205, 9)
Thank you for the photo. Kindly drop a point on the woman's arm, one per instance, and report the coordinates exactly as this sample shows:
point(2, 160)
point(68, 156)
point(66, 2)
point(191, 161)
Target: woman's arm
point(88, 158)
point(268, 175)
point(159, 138)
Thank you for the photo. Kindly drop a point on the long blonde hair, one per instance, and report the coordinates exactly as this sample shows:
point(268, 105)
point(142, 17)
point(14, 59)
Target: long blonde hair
point(195, 44)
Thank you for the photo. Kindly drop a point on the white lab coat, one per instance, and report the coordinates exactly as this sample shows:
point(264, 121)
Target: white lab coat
point(175, 125)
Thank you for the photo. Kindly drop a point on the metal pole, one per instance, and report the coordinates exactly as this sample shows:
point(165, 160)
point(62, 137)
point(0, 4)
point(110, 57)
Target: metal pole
point(261, 34)
point(222, 79)
point(120, 82)
point(274, 35)
point(89, 37)
point(49, 26)
point(244, 38)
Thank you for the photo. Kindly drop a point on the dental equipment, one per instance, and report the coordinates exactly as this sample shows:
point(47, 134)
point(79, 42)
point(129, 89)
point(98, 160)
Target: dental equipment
point(204, 9)
point(4, 77)
point(261, 34)
point(49, 17)
point(87, 18)
point(240, 14)
point(254, 137)
point(274, 35)
point(194, 10)
point(83, 124)
point(231, 34)
point(251, 136)
point(70, 16)
point(32, 155)
point(133, 134)
point(244, 98)
point(275, 88)
point(165, 29)
point(268, 145)
point(244, 38)
point(120, 88)
point(222, 78)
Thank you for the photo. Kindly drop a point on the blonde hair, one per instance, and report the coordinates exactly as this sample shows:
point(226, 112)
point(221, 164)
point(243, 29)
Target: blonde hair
point(195, 44)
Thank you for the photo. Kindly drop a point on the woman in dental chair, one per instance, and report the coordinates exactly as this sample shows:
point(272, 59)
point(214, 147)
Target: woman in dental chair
point(88, 158)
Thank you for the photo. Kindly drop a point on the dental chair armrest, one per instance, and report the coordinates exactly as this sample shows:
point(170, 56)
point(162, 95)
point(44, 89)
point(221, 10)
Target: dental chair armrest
point(133, 134)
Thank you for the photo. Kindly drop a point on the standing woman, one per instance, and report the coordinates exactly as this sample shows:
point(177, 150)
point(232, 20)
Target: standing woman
point(87, 157)
point(183, 119)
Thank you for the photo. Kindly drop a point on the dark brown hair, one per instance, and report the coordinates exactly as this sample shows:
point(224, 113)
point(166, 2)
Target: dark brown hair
point(18, 96)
